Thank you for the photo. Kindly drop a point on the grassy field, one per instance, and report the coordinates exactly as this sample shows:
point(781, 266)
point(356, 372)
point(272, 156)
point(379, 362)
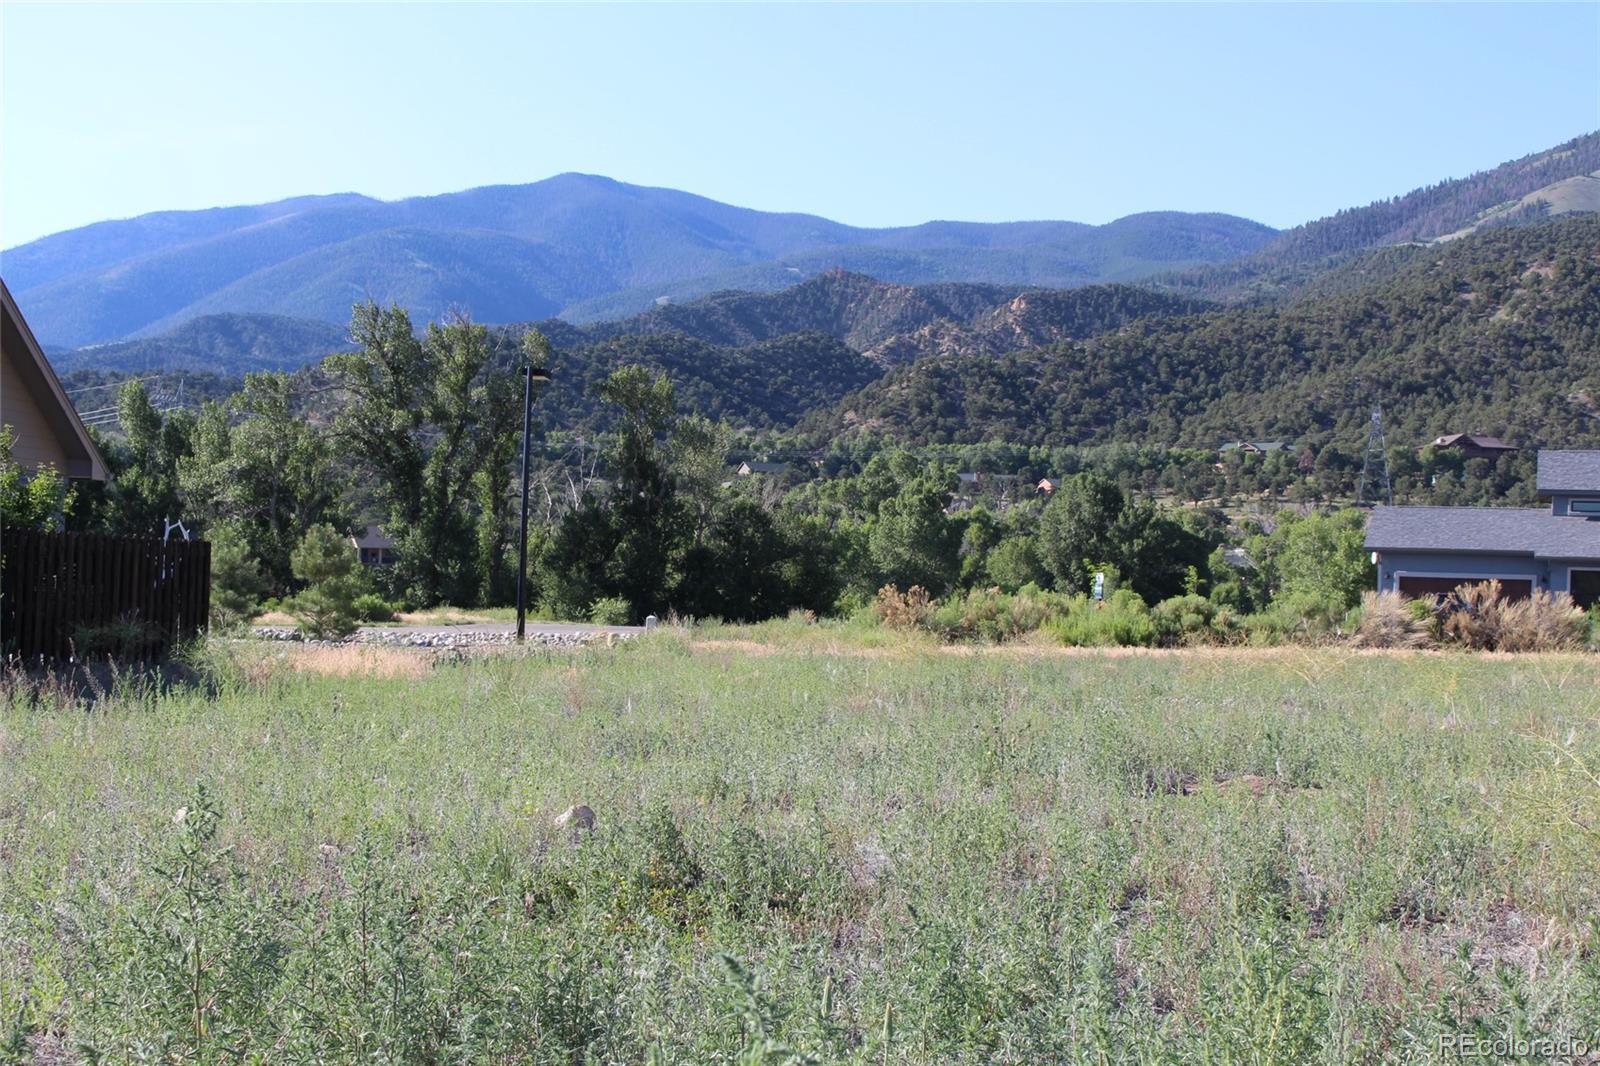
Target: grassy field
point(809, 848)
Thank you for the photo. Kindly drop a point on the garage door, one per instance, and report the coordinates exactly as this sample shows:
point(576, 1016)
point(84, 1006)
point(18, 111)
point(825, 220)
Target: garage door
point(1511, 589)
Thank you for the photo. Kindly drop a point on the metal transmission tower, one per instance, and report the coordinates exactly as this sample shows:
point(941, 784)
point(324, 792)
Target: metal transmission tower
point(1375, 467)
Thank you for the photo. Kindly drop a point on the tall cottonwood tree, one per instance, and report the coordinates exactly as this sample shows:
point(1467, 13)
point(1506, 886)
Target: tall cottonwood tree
point(143, 493)
point(260, 466)
point(429, 418)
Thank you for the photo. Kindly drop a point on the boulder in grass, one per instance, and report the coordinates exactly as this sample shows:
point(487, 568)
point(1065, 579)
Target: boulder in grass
point(576, 817)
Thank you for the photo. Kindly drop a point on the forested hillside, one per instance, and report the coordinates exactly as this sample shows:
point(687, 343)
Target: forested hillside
point(1299, 255)
point(900, 323)
point(1497, 333)
point(764, 360)
point(228, 344)
point(765, 385)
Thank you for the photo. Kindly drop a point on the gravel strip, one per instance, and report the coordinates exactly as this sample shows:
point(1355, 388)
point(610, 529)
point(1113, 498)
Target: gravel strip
point(446, 639)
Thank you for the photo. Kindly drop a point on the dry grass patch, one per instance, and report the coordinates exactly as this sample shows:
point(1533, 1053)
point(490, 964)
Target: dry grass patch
point(355, 660)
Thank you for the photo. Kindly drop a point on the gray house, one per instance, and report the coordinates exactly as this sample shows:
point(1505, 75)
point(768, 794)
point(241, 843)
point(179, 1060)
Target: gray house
point(1422, 551)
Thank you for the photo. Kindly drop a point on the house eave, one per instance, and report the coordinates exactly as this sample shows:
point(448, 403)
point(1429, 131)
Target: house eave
point(89, 464)
point(1436, 550)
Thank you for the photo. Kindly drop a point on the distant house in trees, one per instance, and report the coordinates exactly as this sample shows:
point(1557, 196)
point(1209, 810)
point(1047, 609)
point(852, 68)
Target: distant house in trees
point(753, 467)
point(374, 547)
point(1424, 551)
point(1048, 485)
point(980, 480)
point(46, 429)
point(974, 485)
point(1474, 445)
point(1253, 447)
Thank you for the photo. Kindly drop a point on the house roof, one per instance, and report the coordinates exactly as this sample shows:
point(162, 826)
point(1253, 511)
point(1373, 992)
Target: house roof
point(1257, 445)
point(373, 537)
point(764, 468)
point(1484, 530)
point(1450, 440)
point(1562, 472)
point(83, 457)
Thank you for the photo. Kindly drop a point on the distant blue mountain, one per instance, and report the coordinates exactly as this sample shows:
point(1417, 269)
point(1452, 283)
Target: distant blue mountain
point(578, 246)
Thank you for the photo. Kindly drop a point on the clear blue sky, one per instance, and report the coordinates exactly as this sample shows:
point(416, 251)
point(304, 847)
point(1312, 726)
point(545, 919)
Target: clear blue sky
point(873, 115)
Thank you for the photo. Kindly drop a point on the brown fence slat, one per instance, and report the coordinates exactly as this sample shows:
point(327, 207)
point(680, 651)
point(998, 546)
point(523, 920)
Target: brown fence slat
point(53, 585)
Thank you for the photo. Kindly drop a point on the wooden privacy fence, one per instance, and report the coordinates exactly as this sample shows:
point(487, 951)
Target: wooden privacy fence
point(77, 594)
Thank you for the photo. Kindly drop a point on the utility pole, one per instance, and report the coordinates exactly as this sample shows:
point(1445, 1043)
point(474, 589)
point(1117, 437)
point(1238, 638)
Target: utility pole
point(533, 370)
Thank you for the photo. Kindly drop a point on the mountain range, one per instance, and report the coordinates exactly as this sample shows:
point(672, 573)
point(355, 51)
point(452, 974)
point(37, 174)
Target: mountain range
point(578, 246)
point(1470, 305)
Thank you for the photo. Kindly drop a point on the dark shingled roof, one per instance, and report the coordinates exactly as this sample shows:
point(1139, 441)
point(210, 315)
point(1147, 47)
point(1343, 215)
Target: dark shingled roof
point(1493, 530)
point(1569, 471)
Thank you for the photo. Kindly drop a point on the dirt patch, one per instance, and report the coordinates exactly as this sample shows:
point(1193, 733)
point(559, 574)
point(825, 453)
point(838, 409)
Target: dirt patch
point(746, 647)
point(1254, 785)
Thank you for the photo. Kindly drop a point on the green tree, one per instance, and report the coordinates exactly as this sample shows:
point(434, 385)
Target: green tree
point(1014, 562)
point(643, 502)
point(326, 561)
point(1316, 566)
point(699, 467)
point(1154, 551)
point(425, 417)
point(736, 572)
point(1076, 528)
point(261, 467)
point(912, 540)
point(36, 500)
point(237, 584)
point(621, 545)
point(143, 494)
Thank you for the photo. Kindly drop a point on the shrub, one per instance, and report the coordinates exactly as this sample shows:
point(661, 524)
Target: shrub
point(1479, 617)
point(1121, 619)
point(327, 562)
point(912, 609)
point(371, 607)
point(993, 615)
point(1184, 620)
point(610, 611)
point(129, 637)
point(1390, 621)
point(1545, 621)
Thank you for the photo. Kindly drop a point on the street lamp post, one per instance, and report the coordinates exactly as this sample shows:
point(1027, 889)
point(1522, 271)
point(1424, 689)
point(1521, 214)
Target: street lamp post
point(530, 375)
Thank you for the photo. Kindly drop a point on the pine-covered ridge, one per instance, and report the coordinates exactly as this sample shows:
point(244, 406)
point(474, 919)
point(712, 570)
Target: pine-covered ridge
point(1498, 333)
point(1521, 192)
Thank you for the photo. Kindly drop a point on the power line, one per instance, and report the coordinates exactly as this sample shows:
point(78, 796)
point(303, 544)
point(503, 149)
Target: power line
point(1375, 466)
point(111, 384)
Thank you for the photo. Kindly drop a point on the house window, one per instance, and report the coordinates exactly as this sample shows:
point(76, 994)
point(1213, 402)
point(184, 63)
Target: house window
point(1588, 507)
point(1584, 585)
